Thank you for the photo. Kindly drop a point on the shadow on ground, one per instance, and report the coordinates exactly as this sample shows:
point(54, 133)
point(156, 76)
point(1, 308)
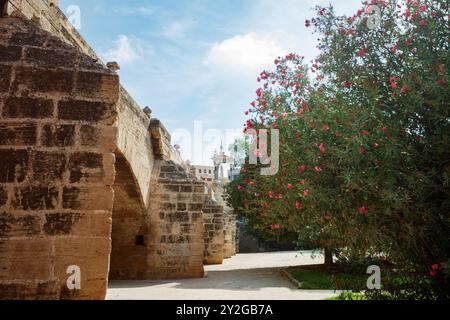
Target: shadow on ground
point(244, 279)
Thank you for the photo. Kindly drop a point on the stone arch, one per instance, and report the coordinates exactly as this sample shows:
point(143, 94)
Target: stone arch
point(129, 225)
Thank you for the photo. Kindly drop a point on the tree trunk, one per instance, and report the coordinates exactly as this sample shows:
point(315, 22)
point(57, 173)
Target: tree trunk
point(328, 254)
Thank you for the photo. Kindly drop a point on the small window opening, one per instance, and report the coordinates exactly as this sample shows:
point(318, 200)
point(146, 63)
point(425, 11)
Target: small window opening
point(140, 240)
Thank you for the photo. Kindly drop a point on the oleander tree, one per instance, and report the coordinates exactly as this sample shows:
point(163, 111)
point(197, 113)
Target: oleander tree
point(364, 139)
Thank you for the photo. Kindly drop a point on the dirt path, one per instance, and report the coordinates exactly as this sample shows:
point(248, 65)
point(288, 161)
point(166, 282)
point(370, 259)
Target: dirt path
point(243, 277)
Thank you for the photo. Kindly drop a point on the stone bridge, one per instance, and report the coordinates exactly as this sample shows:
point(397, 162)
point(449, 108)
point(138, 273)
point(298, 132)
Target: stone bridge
point(87, 178)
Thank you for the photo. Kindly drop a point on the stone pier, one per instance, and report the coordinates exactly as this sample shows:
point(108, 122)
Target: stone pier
point(213, 220)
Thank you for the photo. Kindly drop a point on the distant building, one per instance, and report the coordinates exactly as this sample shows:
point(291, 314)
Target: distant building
point(204, 173)
point(224, 169)
point(222, 166)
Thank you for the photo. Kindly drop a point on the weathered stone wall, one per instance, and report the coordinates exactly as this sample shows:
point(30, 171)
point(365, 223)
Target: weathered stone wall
point(233, 234)
point(56, 169)
point(50, 18)
point(229, 231)
point(134, 141)
point(213, 222)
point(68, 129)
point(176, 245)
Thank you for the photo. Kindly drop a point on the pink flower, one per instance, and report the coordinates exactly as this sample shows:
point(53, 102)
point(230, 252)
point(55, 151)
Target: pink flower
point(270, 194)
point(275, 227)
point(325, 128)
point(302, 168)
point(290, 56)
point(298, 205)
point(348, 84)
point(290, 186)
point(259, 92)
point(249, 124)
point(394, 47)
point(433, 14)
point(307, 23)
point(318, 169)
point(405, 89)
point(423, 7)
point(306, 192)
point(407, 13)
point(435, 267)
point(394, 85)
point(423, 23)
point(240, 188)
point(393, 79)
point(351, 31)
point(264, 75)
point(365, 133)
point(362, 52)
point(361, 150)
point(441, 82)
point(363, 211)
point(277, 61)
point(322, 148)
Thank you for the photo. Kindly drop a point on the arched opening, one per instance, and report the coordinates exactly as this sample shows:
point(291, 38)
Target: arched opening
point(4, 7)
point(129, 227)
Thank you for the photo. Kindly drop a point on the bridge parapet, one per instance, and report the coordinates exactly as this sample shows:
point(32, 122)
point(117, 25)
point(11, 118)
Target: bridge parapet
point(134, 141)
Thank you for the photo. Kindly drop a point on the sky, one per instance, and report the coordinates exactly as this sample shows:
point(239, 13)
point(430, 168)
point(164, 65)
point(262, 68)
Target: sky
point(195, 63)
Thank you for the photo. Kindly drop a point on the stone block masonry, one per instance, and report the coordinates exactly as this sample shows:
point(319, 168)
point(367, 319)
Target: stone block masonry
point(55, 191)
point(176, 243)
point(229, 231)
point(87, 178)
point(213, 221)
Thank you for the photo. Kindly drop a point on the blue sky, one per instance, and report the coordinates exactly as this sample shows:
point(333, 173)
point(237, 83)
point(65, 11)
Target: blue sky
point(198, 60)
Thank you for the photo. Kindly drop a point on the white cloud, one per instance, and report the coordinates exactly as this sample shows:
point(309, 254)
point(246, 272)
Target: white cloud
point(126, 50)
point(251, 51)
point(175, 30)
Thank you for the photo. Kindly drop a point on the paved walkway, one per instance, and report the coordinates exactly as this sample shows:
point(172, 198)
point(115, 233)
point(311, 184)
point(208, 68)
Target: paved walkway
point(244, 277)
